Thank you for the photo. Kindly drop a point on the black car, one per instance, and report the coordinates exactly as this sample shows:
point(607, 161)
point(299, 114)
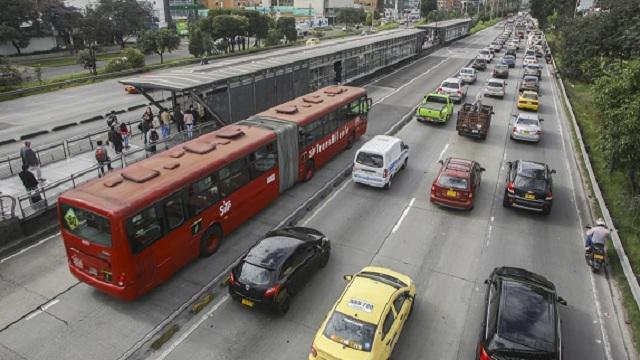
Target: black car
point(521, 317)
point(277, 267)
point(509, 60)
point(529, 186)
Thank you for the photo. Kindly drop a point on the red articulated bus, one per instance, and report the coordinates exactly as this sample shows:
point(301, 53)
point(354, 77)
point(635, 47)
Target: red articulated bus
point(130, 230)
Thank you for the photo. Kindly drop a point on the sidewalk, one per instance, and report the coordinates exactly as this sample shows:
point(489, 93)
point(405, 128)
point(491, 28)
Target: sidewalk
point(66, 174)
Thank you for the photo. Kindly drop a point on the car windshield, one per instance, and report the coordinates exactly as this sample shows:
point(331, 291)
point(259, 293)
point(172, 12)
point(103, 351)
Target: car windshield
point(86, 225)
point(531, 180)
point(466, 71)
point(527, 316)
point(369, 159)
point(450, 85)
point(495, 84)
point(501, 67)
point(437, 99)
point(527, 122)
point(350, 332)
point(530, 96)
point(531, 80)
point(255, 275)
point(453, 182)
point(484, 52)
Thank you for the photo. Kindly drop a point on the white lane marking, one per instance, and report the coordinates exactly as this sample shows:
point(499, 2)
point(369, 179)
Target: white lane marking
point(193, 328)
point(404, 214)
point(33, 314)
point(46, 306)
point(324, 204)
point(603, 331)
point(489, 234)
point(29, 248)
point(493, 218)
point(443, 151)
point(410, 82)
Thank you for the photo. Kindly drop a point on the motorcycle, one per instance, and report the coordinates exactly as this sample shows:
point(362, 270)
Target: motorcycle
point(547, 57)
point(595, 256)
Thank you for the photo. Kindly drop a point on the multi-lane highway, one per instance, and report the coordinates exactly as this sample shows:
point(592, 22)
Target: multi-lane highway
point(47, 314)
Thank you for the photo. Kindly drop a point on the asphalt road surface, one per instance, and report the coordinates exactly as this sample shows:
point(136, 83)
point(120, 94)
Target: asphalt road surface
point(47, 314)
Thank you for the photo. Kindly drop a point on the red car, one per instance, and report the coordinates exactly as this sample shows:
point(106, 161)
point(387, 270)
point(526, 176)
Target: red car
point(456, 183)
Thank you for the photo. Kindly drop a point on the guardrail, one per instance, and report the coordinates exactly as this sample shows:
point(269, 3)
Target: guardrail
point(632, 280)
point(45, 197)
point(7, 207)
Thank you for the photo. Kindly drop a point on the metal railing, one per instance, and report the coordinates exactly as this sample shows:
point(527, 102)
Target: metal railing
point(45, 197)
point(7, 207)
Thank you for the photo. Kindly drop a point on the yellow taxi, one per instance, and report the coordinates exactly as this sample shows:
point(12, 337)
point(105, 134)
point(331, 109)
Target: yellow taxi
point(367, 319)
point(528, 100)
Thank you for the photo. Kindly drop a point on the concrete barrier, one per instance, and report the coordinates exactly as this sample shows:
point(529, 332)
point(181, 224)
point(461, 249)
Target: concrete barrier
point(33, 134)
point(64, 126)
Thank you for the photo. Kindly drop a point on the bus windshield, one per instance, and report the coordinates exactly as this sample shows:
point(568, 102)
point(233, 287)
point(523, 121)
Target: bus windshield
point(87, 225)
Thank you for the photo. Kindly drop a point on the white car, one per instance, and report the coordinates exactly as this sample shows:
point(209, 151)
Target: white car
point(468, 75)
point(454, 87)
point(495, 88)
point(529, 60)
point(527, 127)
point(379, 160)
point(486, 54)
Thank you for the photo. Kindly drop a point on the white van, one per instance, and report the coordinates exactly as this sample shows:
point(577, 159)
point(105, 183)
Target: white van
point(378, 161)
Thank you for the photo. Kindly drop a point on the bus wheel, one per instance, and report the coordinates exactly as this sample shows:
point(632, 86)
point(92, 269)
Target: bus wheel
point(351, 140)
point(309, 170)
point(210, 242)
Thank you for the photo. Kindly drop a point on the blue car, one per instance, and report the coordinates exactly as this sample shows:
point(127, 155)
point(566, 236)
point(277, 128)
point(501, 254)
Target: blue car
point(509, 60)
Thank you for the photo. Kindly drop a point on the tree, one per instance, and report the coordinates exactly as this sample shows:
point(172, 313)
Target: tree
point(287, 27)
point(124, 17)
point(229, 27)
point(349, 16)
point(87, 58)
point(273, 38)
point(258, 26)
point(427, 6)
point(13, 15)
point(64, 19)
point(158, 42)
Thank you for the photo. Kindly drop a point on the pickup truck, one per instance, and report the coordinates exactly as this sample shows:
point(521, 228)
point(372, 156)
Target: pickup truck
point(435, 108)
point(474, 120)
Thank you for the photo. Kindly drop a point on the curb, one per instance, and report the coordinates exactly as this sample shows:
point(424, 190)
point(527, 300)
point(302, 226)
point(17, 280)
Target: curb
point(64, 126)
point(8, 141)
point(136, 107)
point(33, 134)
point(95, 118)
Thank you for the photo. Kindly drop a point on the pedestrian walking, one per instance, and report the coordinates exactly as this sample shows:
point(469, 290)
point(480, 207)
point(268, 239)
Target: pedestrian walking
point(153, 139)
point(188, 122)
point(30, 184)
point(165, 123)
point(30, 159)
point(102, 158)
point(124, 133)
point(115, 139)
point(178, 117)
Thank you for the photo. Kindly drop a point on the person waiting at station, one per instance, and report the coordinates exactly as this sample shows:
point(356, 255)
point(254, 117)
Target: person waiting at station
point(30, 159)
point(102, 157)
point(30, 183)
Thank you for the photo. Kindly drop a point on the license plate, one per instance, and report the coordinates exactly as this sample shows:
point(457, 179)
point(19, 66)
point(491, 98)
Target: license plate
point(248, 302)
point(452, 193)
point(93, 271)
point(474, 131)
point(525, 132)
point(530, 196)
point(598, 257)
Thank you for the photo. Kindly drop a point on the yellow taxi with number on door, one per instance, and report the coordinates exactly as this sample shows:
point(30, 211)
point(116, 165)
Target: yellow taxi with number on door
point(529, 100)
point(367, 319)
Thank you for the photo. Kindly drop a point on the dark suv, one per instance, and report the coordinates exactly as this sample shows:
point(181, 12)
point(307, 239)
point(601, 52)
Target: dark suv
point(521, 317)
point(529, 186)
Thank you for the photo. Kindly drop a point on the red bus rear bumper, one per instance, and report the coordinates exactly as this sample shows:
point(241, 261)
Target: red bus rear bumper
point(128, 293)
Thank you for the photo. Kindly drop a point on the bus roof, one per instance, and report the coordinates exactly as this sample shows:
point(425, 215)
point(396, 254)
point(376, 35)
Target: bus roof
point(127, 191)
point(305, 109)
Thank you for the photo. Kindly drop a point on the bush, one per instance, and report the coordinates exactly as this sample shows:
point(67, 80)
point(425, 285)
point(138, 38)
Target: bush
point(273, 38)
point(131, 59)
point(9, 75)
point(317, 33)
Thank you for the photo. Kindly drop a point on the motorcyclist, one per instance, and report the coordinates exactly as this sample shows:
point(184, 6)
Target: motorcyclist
point(597, 235)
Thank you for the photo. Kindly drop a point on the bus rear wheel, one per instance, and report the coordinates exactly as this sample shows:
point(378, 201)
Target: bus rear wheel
point(351, 140)
point(210, 242)
point(309, 170)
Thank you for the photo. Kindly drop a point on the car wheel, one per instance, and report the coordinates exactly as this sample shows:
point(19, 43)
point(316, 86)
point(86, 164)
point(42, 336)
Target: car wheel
point(387, 186)
point(546, 211)
point(505, 201)
point(325, 259)
point(283, 307)
point(404, 164)
point(210, 241)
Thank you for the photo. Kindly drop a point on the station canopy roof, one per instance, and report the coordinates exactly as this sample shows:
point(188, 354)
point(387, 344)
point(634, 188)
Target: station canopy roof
point(182, 79)
point(444, 24)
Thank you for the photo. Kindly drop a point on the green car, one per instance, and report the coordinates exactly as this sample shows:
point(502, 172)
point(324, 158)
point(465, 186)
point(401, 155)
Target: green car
point(435, 108)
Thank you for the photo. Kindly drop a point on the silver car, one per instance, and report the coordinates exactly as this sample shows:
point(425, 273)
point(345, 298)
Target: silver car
point(495, 87)
point(532, 70)
point(454, 87)
point(527, 127)
point(468, 75)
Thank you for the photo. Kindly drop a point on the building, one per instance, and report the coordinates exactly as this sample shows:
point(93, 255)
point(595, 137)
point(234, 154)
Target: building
point(449, 5)
point(229, 4)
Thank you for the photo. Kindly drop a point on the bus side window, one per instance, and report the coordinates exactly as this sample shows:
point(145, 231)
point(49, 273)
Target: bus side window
point(144, 228)
point(341, 116)
point(174, 210)
point(312, 132)
point(202, 194)
point(353, 108)
point(263, 160)
point(331, 123)
point(233, 176)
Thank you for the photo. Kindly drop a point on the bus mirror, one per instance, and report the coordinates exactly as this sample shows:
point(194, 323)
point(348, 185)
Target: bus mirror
point(348, 277)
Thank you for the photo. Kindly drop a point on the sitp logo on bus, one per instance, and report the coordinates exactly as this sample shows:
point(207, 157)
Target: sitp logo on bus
point(225, 207)
point(318, 148)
